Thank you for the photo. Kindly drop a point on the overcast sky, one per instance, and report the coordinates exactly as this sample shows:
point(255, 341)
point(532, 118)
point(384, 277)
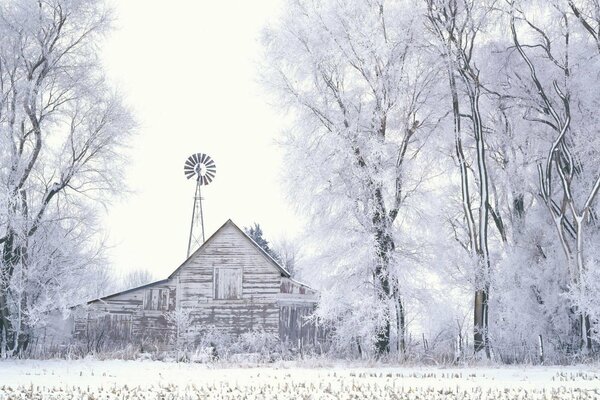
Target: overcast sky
point(189, 70)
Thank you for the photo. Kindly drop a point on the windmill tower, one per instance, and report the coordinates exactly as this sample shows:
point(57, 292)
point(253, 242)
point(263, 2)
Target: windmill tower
point(203, 169)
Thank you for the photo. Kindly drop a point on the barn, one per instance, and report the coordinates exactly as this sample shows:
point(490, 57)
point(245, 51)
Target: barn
point(229, 285)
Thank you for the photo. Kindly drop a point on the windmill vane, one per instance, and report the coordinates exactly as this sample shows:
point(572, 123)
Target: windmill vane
point(201, 167)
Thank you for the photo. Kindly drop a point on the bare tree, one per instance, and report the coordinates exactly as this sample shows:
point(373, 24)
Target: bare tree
point(61, 131)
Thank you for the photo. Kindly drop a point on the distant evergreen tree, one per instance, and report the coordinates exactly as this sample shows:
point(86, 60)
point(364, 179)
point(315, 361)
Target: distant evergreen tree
point(255, 232)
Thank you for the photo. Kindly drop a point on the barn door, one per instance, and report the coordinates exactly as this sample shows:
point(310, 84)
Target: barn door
point(228, 283)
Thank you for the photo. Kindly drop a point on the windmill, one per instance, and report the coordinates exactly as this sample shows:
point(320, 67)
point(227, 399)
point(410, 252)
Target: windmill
point(203, 169)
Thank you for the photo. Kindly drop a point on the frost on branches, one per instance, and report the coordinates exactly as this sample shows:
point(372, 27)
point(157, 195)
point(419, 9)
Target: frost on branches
point(61, 132)
point(562, 109)
point(446, 154)
point(354, 79)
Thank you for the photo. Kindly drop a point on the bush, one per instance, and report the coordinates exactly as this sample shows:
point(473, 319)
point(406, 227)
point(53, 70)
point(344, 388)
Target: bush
point(259, 341)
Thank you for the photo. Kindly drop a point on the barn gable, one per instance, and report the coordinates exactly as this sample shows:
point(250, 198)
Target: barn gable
point(235, 236)
point(231, 283)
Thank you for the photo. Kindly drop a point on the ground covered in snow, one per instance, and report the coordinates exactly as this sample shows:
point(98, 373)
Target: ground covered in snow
point(92, 379)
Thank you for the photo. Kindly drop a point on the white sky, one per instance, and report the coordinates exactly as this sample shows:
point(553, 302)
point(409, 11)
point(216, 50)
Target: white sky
point(189, 71)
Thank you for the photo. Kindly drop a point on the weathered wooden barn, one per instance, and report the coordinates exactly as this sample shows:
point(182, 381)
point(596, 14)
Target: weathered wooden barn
point(229, 284)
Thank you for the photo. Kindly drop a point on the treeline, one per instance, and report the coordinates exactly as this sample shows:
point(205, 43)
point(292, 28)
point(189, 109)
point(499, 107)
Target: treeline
point(447, 155)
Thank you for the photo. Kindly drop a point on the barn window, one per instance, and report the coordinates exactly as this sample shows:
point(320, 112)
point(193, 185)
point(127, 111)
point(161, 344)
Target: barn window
point(228, 283)
point(156, 299)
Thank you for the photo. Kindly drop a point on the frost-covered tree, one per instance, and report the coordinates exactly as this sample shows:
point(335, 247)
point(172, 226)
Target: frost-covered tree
point(352, 75)
point(62, 130)
point(531, 68)
point(562, 111)
point(457, 27)
point(136, 277)
point(256, 233)
point(284, 251)
point(181, 320)
point(504, 221)
point(288, 254)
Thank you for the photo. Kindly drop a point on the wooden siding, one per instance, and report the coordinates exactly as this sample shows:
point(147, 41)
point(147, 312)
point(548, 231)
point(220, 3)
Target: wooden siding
point(297, 303)
point(296, 327)
point(109, 318)
point(256, 308)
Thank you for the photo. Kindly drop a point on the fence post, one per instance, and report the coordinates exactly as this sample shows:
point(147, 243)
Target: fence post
point(541, 348)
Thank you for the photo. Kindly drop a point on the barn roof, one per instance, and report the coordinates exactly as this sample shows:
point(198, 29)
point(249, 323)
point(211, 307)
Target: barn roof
point(129, 290)
point(229, 222)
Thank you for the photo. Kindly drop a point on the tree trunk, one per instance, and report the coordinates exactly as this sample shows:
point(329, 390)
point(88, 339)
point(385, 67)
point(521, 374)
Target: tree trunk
point(588, 333)
point(480, 326)
point(400, 323)
point(7, 267)
point(16, 338)
point(477, 237)
point(385, 248)
point(382, 344)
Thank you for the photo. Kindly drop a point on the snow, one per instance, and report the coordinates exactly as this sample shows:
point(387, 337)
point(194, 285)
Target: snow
point(114, 378)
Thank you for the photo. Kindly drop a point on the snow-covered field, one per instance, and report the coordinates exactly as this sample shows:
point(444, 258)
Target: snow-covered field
point(91, 379)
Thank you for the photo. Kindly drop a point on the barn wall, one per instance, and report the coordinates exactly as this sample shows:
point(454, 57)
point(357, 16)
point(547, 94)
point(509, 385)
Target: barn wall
point(295, 325)
point(255, 309)
point(122, 319)
point(297, 303)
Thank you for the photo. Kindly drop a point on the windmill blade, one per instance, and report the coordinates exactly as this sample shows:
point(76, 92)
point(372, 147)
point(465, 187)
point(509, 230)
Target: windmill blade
point(188, 167)
point(188, 170)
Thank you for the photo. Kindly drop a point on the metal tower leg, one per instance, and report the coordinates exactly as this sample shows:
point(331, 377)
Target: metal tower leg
point(197, 212)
